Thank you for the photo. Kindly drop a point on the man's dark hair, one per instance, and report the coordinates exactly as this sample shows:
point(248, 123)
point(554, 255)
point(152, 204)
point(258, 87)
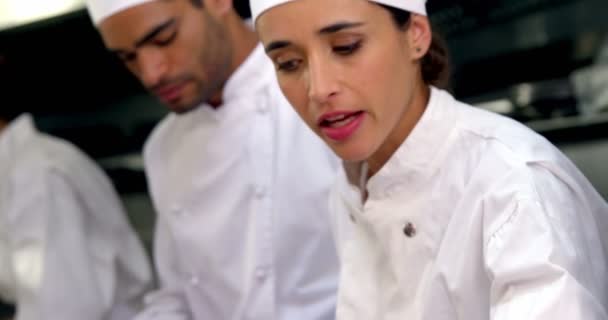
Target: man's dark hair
point(9, 109)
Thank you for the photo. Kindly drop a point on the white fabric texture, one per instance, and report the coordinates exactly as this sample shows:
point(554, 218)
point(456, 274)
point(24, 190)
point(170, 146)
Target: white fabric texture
point(102, 9)
point(415, 6)
point(241, 193)
point(68, 251)
point(474, 217)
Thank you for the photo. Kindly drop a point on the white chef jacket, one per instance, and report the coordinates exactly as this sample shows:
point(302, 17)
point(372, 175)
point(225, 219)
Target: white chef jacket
point(473, 217)
point(242, 197)
point(67, 250)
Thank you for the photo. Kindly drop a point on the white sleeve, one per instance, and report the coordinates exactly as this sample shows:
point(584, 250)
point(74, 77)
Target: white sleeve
point(168, 302)
point(54, 272)
point(7, 278)
point(542, 267)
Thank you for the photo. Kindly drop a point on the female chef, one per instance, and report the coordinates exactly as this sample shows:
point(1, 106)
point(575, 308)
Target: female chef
point(459, 213)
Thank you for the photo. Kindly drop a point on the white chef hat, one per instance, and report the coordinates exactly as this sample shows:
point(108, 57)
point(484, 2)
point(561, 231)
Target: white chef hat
point(416, 6)
point(101, 9)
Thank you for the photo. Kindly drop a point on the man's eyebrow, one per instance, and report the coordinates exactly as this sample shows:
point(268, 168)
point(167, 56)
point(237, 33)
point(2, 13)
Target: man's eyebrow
point(333, 28)
point(277, 45)
point(146, 38)
point(154, 32)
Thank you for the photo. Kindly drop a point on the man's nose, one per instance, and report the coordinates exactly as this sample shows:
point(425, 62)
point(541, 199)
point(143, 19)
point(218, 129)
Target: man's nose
point(152, 67)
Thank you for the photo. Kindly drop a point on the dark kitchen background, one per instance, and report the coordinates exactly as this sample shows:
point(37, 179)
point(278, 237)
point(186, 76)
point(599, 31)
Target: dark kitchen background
point(542, 62)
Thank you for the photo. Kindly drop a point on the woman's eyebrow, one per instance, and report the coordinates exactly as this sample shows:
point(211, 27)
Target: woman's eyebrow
point(333, 28)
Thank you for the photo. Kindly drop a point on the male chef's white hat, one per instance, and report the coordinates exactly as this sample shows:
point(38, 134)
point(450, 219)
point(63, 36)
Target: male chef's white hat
point(415, 6)
point(101, 9)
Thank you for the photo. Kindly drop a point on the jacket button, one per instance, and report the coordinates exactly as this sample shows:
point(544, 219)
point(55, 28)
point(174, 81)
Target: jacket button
point(260, 192)
point(262, 108)
point(260, 274)
point(409, 230)
point(176, 210)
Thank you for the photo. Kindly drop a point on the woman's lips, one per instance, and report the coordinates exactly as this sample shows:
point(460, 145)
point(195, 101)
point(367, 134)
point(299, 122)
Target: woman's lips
point(340, 126)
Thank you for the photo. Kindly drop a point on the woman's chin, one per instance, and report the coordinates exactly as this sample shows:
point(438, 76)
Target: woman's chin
point(351, 152)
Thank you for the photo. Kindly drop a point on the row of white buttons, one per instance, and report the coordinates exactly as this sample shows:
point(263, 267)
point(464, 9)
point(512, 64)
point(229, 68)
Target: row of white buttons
point(260, 274)
point(260, 192)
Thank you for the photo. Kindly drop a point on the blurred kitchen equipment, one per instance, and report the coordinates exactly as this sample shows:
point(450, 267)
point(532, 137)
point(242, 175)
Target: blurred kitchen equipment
point(532, 100)
point(602, 56)
point(591, 84)
point(591, 87)
point(546, 99)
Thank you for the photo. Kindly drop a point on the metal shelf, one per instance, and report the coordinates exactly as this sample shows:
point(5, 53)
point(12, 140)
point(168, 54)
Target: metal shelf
point(522, 26)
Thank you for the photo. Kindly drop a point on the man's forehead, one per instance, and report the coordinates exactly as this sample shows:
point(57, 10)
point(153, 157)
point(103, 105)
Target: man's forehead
point(128, 26)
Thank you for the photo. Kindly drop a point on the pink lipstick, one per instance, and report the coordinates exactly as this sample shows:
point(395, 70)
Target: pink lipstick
point(339, 126)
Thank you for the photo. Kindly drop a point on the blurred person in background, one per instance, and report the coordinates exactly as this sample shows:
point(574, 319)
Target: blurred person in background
point(67, 250)
point(444, 211)
point(239, 183)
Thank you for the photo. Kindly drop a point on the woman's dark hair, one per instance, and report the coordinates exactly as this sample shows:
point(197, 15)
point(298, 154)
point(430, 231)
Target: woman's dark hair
point(435, 64)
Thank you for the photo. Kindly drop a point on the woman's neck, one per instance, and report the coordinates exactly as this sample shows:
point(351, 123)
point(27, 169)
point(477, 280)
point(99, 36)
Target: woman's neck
point(403, 129)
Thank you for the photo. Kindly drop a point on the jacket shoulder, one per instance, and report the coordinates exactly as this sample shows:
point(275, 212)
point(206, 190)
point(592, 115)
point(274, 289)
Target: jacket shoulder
point(158, 138)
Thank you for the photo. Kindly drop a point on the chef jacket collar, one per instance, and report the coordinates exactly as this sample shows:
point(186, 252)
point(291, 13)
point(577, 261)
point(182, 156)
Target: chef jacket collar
point(20, 130)
point(243, 87)
point(252, 75)
point(418, 155)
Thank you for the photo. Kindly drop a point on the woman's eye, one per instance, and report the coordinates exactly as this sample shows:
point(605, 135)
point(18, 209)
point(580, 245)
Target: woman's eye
point(163, 41)
point(289, 65)
point(347, 49)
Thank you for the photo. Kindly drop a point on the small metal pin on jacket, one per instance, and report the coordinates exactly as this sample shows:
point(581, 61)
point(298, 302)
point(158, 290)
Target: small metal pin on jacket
point(409, 230)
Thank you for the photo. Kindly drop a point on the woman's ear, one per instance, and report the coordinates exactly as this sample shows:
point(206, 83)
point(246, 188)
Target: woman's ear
point(419, 35)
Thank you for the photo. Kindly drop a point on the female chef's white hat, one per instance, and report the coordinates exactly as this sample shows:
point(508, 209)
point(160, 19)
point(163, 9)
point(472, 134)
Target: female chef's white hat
point(101, 9)
point(415, 6)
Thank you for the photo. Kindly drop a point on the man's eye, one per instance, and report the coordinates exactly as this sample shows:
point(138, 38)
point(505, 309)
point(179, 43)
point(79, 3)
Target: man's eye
point(126, 57)
point(347, 49)
point(165, 40)
point(289, 65)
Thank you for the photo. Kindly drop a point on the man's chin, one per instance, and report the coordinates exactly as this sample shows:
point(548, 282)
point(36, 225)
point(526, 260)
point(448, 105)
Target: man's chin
point(182, 104)
point(179, 107)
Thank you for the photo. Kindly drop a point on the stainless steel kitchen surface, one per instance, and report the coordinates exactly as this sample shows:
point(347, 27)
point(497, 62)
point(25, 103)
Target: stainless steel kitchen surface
point(542, 62)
